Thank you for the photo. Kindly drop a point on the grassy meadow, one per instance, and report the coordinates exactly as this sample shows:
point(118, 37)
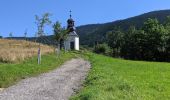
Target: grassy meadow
point(12, 51)
point(18, 60)
point(12, 73)
point(108, 79)
point(117, 79)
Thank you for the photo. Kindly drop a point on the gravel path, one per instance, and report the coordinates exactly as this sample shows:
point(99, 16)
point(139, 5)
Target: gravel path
point(59, 84)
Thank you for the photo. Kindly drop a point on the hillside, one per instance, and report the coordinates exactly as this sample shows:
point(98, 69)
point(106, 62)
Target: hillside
point(90, 33)
point(117, 79)
point(19, 50)
point(49, 40)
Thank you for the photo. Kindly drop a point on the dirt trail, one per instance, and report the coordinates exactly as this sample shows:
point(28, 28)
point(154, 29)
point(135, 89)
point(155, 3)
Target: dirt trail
point(58, 84)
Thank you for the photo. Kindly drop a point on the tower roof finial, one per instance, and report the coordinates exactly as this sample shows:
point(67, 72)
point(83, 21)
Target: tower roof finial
point(70, 14)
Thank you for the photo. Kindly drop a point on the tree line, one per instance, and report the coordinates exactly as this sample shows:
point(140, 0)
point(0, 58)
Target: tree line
point(151, 42)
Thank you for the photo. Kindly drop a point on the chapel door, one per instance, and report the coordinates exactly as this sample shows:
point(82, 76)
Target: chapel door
point(72, 45)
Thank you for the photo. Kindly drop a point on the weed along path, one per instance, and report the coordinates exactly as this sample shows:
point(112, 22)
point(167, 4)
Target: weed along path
point(58, 84)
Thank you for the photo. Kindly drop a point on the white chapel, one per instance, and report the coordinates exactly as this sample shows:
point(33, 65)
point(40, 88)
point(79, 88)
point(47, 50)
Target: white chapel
point(72, 41)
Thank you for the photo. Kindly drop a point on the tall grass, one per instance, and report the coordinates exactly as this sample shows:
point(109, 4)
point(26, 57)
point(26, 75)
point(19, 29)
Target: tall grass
point(12, 51)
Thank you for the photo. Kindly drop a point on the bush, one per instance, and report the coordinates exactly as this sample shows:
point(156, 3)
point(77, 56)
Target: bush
point(102, 49)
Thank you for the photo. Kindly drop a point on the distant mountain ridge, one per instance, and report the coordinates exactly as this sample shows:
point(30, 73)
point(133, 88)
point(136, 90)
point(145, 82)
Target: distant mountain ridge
point(97, 32)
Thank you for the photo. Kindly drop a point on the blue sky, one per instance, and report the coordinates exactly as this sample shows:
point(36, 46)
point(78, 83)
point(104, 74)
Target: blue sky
point(19, 15)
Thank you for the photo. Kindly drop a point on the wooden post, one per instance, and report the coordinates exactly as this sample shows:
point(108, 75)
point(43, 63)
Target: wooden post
point(39, 55)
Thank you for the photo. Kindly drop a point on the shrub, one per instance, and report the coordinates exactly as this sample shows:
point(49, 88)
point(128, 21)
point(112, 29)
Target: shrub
point(102, 49)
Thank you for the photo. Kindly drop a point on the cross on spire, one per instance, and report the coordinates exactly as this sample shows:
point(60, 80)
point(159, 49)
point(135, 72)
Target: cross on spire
point(70, 13)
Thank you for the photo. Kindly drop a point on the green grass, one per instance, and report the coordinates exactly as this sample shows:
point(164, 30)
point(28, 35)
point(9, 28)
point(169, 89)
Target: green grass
point(12, 73)
point(117, 79)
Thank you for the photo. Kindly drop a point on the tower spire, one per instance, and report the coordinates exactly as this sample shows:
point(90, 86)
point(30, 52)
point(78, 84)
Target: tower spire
point(70, 23)
point(70, 14)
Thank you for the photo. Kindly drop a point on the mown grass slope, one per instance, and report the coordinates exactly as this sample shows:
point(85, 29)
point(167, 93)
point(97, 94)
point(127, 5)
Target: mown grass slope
point(117, 79)
point(12, 73)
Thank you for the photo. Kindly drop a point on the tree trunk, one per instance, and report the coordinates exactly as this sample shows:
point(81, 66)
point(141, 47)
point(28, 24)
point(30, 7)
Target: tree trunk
point(65, 46)
point(58, 49)
point(60, 44)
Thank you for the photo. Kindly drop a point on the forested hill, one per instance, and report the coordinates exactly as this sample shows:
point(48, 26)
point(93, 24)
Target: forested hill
point(97, 32)
point(90, 33)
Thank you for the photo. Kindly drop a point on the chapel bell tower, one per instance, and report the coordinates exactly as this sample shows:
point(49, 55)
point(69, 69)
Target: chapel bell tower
point(72, 41)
